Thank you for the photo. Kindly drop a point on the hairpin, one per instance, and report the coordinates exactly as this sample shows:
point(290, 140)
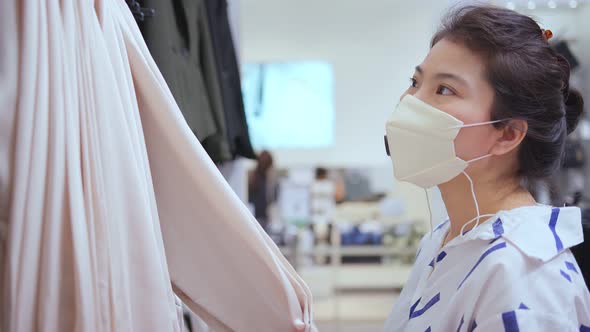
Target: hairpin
point(547, 34)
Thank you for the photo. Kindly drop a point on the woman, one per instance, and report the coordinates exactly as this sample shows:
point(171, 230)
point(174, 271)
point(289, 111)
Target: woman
point(489, 107)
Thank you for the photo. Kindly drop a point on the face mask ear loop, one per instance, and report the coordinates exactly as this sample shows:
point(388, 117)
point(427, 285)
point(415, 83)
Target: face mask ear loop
point(429, 211)
point(477, 124)
point(477, 159)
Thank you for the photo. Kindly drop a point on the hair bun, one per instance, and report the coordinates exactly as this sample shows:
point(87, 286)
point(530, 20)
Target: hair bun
point(574, 107)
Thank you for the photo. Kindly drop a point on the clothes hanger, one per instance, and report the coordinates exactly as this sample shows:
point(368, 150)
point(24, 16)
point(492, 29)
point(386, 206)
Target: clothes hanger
point(139, 12)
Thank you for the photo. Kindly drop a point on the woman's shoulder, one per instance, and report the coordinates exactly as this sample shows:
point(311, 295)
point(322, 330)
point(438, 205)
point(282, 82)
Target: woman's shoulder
point(513, 270)
point(525, 255)
point(534, 273)
point(532, 242)
point(538, 232)
point(516, 284)
point(542, 232)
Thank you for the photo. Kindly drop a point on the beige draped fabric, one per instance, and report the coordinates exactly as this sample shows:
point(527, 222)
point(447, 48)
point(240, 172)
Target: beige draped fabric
point(107, 201)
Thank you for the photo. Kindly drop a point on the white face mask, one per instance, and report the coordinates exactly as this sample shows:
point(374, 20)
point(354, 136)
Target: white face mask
point(421, 139)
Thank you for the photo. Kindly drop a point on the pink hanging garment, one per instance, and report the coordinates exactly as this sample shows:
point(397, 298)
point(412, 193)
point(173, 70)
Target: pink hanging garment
point(107, 200)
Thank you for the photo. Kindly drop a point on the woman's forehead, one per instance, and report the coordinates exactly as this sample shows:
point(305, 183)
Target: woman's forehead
point(455, 59)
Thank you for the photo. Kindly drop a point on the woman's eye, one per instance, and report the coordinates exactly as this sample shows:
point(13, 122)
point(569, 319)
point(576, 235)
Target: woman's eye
point(413, 82)
point(443, 90)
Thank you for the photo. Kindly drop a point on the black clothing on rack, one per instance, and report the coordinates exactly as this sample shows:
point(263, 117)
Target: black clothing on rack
point(229, 71)
point(180, 42)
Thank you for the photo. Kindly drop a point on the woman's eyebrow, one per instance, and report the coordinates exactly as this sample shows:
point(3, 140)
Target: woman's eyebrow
point(443, 75)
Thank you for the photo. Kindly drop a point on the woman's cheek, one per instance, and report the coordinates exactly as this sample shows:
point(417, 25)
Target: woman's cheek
point(470, 144)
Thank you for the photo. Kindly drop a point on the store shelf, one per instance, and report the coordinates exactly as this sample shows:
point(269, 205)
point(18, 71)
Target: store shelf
point(354, 251)
point(373, 251)
point(371, 276)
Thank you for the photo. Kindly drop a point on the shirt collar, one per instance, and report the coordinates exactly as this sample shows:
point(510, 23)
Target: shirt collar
point(540, 232)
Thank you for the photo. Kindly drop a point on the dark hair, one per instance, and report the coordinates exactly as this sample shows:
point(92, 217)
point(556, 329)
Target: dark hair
point(321, 173)
point(265, 161)
point(531, 81)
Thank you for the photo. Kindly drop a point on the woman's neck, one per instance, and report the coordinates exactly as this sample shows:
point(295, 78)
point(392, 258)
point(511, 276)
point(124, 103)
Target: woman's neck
point(492, 196)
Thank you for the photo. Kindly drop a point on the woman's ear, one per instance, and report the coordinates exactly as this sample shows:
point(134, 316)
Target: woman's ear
point(510, 137)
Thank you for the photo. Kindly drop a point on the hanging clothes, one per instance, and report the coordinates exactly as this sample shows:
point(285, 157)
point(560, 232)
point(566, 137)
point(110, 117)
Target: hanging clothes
point(229, 74)
point(109, 204)
point(180, 42)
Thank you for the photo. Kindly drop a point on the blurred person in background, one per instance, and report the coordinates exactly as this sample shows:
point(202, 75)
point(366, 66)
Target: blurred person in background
point(262, 188)
point(322, 174)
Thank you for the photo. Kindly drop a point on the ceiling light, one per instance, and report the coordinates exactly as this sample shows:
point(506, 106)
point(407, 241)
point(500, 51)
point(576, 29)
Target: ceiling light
point(551, 4)
point(510, 5)
point(532, 5)
point(573, 4)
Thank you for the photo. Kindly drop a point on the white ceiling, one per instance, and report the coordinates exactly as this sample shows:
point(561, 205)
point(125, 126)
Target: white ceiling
point(541, 4)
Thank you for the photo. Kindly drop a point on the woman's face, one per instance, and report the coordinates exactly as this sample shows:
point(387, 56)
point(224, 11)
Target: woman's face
point(452, 79)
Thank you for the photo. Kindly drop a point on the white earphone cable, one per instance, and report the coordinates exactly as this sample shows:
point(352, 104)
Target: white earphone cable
point(479, 216)
point(429, 211)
